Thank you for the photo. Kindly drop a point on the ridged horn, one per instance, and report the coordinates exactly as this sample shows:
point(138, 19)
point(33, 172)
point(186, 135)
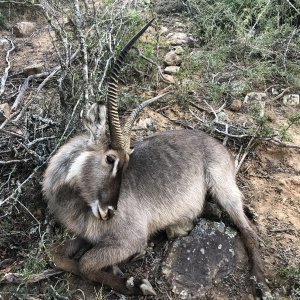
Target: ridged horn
point(134, 114)
point(116, 137)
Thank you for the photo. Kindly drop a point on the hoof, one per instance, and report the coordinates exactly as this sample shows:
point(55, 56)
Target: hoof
point(147, 288)
point(130, 283)
point(262, 291)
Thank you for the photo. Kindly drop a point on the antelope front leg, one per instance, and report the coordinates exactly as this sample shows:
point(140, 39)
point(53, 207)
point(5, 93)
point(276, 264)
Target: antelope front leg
point(93, 261)
point(66, 255)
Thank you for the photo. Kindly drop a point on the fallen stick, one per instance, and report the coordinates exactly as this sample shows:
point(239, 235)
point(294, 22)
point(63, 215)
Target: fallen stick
point(16, 278)
point(24, 88)
point(5, 74)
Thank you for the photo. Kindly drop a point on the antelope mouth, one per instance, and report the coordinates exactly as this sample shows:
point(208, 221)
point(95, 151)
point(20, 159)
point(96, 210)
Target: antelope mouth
point(102, 213)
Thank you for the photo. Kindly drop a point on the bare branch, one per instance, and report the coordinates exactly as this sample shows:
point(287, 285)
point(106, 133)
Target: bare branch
point(5, 75)
point(85, 71)
point(14, 161)
point(24, 88)
point(16, 278)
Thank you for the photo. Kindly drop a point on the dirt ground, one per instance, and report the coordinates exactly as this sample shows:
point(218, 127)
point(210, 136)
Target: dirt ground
point(269, 179)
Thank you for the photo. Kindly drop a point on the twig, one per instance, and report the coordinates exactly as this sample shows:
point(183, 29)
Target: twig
point(281, 144)
point(85, 71)
point(13, 161)
point(16, 190)
point(249, 147)
point(212, 110)
point(24, 88)
point(297, 10)
point(281, 94)
point(287, 47)
point(16, 278)
point(40, 140)
point(159, 68)
point(5, 74)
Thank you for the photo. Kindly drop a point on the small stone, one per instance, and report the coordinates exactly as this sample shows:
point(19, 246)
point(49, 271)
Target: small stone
point(23, 29)
point(144, 124)
point(4, 43)
point(5, 111)
point(171, 69)
point(291, 100)
point(179, 25)
point(179, 38)
point(254, 96)
point(222, 116)
point(236, 105)
point(274, 92)
point(169, 78)
point(33, 69)
point(172, 59)
point(178, 50)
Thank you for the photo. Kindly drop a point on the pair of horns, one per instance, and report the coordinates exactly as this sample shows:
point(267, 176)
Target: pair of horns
point(120, 140)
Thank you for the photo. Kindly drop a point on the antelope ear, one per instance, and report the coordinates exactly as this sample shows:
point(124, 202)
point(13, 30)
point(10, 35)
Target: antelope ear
point(95, 121)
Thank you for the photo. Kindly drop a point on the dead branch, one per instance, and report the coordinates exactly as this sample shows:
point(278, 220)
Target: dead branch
point(16, 278)
point(249, 147)
point(17, 190)
point(13, 161)
point(277, 142)
point(24, 88)
point(78, 21)
point(5, 75)
point(40, 140)
point(159, 68)
point(281, 94)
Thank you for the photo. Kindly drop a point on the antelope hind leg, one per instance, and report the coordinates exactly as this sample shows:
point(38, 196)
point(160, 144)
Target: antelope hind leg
point(181, 229)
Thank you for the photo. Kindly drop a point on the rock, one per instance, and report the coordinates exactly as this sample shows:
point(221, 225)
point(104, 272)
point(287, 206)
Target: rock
point(23, 29)
point(236, 105)
point(4, 44)
point(255, 97)
point(172, 59)
point(178, 50)
point(274, 92)
point(222, 116)
point(169, 78)
point(5, 111)
point(195, 262)
point(291, 100)
point(179, 25)
point(171, 69)
point(144, 124)
point(179, 38)
point(257, 101)
point(33, 69)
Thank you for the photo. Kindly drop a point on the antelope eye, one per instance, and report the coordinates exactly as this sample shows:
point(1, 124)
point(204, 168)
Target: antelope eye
point(110, 160)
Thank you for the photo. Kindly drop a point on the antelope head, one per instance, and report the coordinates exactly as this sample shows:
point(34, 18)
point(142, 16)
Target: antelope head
point(101, 168)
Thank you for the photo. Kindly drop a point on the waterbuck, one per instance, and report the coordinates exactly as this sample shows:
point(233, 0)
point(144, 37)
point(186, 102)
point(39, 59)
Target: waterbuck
point(113, 196)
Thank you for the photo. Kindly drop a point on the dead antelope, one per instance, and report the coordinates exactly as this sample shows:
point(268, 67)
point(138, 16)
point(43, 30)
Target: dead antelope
point(113, 197)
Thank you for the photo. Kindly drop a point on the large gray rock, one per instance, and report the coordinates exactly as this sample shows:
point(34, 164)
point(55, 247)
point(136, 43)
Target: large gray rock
point(171, 70)
point(33, 69)
point(172, 59)
point(196, 262)
point(291, 100)
point(23, 29)
point(179, 38)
